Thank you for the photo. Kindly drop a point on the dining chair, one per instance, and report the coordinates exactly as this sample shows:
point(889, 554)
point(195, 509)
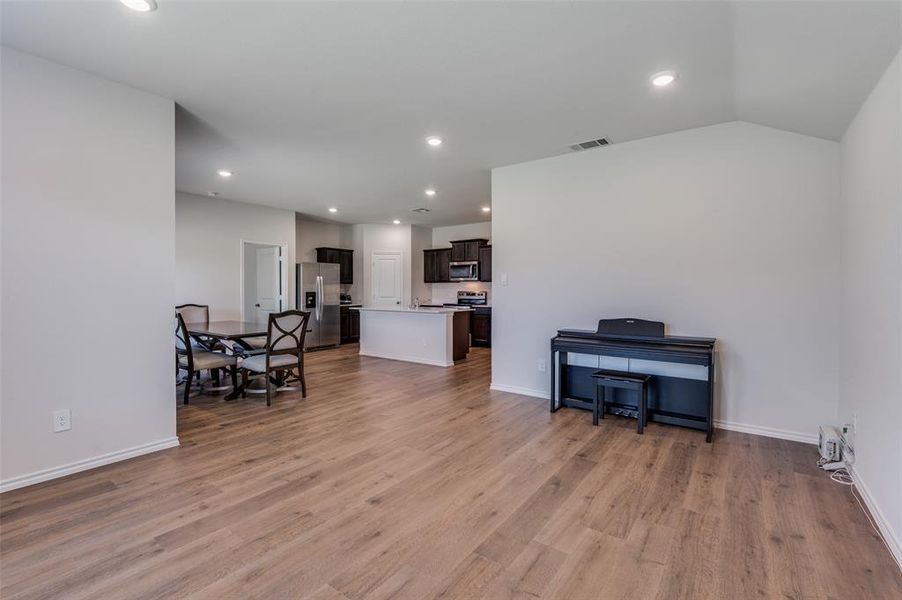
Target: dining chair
point(197, 313)
point(193, 359)
point(254, 343)
point(285, 333)
point(194, 313)
point(200, 313)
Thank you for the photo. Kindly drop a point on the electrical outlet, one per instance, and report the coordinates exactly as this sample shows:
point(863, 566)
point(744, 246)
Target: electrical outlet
point(848, 438)
point(542, 365)
point(62, 420)
point(504, 279)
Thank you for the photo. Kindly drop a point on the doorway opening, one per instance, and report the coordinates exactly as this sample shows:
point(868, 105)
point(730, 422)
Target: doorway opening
point(264, 280)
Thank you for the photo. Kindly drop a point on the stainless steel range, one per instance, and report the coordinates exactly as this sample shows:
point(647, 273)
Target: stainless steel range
point(468, 298)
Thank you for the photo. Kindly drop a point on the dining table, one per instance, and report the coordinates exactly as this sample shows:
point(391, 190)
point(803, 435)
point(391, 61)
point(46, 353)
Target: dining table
point(237, 331)
point(231, 331)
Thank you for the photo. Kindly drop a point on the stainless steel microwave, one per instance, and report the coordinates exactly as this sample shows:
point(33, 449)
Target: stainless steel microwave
point(463, 271)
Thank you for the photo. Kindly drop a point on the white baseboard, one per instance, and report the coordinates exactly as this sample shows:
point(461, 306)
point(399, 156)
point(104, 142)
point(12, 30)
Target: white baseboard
point(783, 434)
point(891, 537)
point(83, 465)
point(413, 359)
point(519, 390)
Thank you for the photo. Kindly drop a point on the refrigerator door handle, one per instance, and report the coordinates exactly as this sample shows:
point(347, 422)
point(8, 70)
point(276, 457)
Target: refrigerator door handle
point(319, 297)
point(316, 291)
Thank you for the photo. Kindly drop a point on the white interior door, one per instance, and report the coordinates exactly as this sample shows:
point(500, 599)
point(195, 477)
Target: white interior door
point(387, 282)
point(269, 285)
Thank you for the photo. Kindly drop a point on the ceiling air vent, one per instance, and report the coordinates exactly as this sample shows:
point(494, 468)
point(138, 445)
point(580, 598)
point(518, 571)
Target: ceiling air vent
point(420, 210)
point(590, 144)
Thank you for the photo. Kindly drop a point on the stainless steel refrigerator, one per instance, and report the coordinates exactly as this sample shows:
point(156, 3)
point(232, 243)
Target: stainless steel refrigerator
point(317, 292)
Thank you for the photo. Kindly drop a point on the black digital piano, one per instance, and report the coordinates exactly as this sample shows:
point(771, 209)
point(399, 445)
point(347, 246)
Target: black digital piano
point(681, 389)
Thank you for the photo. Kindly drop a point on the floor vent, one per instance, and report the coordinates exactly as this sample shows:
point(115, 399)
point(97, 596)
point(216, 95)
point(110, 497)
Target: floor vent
point(590, 144)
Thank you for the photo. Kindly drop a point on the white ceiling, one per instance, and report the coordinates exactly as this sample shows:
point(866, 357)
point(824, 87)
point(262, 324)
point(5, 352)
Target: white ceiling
point(327, 104)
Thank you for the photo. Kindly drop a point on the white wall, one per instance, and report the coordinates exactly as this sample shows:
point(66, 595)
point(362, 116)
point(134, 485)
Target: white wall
point(871, 336)
point(728, 231)
point(420, 239)
point(360, 289)
point(87, 259)
point(442, 238)
point(311, 235)
point(208, 235)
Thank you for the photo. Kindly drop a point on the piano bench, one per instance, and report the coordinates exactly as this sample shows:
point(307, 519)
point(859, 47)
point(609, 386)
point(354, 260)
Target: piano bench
point(605, 380)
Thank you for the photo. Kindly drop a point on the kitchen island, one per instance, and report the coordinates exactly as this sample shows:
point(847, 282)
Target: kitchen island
point(431, 336)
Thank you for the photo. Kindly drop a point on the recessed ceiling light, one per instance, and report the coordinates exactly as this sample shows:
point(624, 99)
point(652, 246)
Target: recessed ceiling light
point(140, 5)
point(224, 173)
point(333, 210)
point(486, 209)
point(663, 79)
point(213, 194)
point(397, 221)
point(430, 192)
point(434, 140)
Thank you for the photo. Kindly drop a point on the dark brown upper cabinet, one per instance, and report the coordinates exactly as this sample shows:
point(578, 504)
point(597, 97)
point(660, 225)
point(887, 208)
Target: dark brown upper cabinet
point(443, 265)
point(466, 250)
point(340, 256)
point(429, 266)
point(435, 265)
point(485, 263)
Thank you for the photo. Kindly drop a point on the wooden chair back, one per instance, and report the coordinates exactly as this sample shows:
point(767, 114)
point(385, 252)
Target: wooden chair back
point(286, 332)
point(183, 340)
point(194, 313)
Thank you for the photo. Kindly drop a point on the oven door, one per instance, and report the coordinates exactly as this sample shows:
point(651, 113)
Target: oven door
point(463, 271)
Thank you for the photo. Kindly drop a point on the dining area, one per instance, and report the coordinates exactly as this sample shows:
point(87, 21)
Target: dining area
point(239, 357)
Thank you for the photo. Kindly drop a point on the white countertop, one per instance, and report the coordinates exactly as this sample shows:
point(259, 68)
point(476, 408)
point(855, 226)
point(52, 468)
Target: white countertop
point(401, 309)
point(452, 305)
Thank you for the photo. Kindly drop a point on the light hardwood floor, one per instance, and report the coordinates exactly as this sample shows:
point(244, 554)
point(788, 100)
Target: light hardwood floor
point(394, 480)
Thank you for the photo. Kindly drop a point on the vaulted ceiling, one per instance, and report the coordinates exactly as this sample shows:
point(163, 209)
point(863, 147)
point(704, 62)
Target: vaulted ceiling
point(313, 105)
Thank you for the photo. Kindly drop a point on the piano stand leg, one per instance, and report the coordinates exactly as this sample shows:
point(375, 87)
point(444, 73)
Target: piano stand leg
point(595, 404)
point(555, 382)
point(643, 400)
point(603, 403)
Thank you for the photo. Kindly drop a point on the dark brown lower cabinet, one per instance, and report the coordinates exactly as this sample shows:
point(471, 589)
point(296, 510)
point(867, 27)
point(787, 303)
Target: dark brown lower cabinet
point(349, 321)
point(481, 327)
